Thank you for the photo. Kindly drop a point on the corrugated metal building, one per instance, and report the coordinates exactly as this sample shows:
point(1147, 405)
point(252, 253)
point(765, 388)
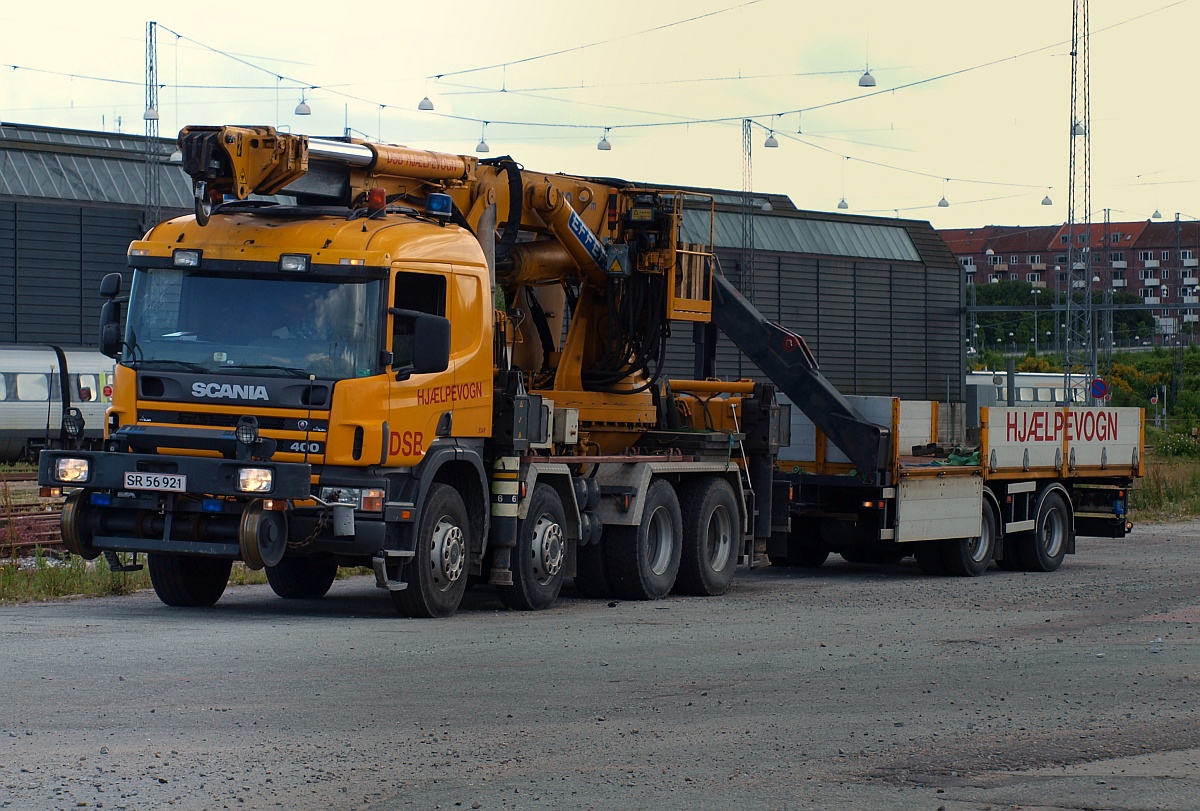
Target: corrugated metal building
point(879, 300)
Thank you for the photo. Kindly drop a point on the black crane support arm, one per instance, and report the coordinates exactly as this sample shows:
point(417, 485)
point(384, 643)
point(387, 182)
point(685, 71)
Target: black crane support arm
point(786, 359)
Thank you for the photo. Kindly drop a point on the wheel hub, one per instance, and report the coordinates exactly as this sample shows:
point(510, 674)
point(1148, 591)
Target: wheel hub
point(548, 549)
point(447, 554)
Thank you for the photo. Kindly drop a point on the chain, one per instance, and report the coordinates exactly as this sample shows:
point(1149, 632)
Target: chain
point(322, 519)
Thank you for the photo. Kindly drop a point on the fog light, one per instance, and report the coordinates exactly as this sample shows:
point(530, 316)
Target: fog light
point(255, 479)
point(185, 259)
point(73, 423)
point(246, 430)
point(70, 469)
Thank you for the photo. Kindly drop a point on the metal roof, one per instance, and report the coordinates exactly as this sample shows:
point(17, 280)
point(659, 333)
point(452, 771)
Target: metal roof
point(799, 234)
point(85, 166)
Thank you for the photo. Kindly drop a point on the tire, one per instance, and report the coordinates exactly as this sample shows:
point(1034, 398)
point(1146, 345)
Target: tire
point(437, 574)
point(969, 557)
point(1043, 549)
point(711, 531)
point(929, 557)
point(642, 561)
point(539, 561)
point(302, 578)
point(805, 549)
point(591, 575)
point(185, 581)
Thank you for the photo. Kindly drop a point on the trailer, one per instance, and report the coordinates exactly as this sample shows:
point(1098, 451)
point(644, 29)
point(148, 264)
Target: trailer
point(1038, 478)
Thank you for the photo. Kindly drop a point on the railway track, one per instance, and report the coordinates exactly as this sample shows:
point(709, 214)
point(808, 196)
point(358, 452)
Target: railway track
point(27, 522)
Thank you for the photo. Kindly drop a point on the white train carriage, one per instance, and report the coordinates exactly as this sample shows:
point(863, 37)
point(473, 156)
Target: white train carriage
point(31, 397)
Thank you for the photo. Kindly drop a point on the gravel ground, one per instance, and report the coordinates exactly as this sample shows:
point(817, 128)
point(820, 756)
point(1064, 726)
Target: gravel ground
point(851, 687)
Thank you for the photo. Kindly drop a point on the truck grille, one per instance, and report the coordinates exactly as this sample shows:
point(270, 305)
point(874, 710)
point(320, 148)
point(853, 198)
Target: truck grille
point(208, 420)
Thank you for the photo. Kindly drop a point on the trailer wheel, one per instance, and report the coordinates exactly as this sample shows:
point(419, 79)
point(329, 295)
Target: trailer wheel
point(929, 557)
point(644, 560)
point(538, 562)
point(711, 530)
point(437, 574)
point(188, 582)
point(1043, 549)
point(302, 578)
point(969, 557)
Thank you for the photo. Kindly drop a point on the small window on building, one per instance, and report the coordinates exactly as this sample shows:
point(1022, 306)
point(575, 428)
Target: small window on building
point(997, 277)
point(1062, 277)
point(1116, 256)
point(1060, 258)
point(1166, 255)
point(967, 261)
point(1148, 292)
point(1146, 273)
point(995, 260)
point(1166, 273)
point(1014, 276)
point(1033, 277)
point(1012, 260)
point(1145, 256)
point(1033, 259)
point(1063, 239)
point(1187, 254)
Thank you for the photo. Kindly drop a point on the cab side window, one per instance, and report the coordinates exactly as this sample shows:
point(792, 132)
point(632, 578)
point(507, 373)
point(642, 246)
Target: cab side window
point(422, 292)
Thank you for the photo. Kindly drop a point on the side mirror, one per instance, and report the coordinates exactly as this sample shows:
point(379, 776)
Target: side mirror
point(110, 286)
point(420, 342)
point(110, 329)
point(431, 344)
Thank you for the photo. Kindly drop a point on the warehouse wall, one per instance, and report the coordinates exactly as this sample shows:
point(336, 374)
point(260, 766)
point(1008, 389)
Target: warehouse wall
point(876, 327)
point(52, 258)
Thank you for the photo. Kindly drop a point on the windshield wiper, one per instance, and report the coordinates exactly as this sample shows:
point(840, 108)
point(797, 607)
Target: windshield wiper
point(183, 364)
point(291, 370)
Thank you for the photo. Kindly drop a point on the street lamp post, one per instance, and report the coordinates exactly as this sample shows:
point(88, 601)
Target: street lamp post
point(1035, 292)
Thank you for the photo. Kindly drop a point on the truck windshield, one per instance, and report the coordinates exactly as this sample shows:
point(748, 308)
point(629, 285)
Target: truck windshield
point(205, 322)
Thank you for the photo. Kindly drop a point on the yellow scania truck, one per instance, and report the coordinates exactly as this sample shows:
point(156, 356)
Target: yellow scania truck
point(448, 368)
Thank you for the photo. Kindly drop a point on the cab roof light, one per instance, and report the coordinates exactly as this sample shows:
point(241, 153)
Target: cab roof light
point(345, 260)
point(139, 251)
point(376, 199)
point(440, 206)
point(294, 263)
point(181, 258)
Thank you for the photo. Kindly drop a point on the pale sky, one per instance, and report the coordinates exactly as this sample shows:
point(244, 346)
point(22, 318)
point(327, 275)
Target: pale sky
point(1008, 123)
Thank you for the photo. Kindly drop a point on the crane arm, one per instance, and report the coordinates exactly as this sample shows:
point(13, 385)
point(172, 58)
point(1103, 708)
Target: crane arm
point(786, 359)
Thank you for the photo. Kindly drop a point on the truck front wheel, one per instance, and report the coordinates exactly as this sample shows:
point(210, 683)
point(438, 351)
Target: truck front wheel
point(302, 578)
point(437, 574)
point(538, 561)
point(186, 581)
point(644, 560)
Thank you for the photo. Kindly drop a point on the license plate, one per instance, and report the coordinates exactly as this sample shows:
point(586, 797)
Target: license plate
point(168, 482)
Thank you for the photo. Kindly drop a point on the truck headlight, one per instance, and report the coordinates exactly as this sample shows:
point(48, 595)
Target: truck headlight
point(70, 469)
point(255, 479)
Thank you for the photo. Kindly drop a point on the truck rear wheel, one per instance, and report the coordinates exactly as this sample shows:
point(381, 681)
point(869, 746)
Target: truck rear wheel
point(186, 581)
point(969, 557)
point(1043, 549)
point(302, 578)
point(538, 561)
point(591, 575)
point(437, 574)
point(644, 560)
point(710, 534)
